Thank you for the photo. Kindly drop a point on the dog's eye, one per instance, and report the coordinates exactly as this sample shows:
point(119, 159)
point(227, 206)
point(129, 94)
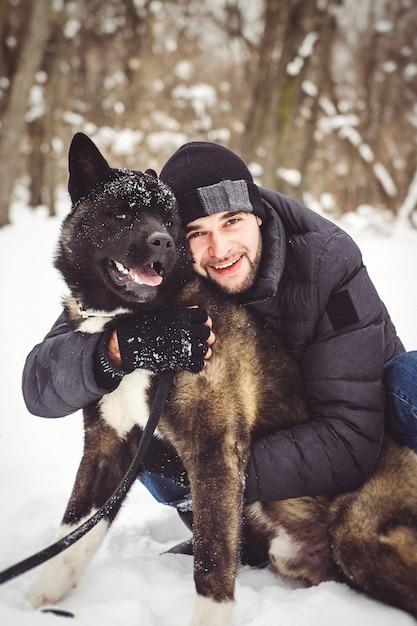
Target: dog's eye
point(168, 223)
point(120, 216)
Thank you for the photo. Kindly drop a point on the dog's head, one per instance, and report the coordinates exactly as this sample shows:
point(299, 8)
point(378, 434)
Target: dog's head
point(122, 242)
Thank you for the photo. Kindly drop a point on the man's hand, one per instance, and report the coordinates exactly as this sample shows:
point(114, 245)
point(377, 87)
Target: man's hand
point(177, 339)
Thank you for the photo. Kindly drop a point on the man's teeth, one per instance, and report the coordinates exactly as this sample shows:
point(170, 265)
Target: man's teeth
point(226, 265)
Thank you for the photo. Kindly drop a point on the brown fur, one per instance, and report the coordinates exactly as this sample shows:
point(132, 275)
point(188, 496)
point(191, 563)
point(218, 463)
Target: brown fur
point(210, 419)
point(366, 538)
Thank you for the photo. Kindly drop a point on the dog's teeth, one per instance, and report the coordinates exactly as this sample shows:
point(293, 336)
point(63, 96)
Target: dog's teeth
point(121, 268)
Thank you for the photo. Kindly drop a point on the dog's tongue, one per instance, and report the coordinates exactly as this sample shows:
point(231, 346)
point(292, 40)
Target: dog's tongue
point(146, 276)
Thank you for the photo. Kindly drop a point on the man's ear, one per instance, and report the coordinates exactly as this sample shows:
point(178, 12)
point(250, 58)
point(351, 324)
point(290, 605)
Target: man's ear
point(87, 167)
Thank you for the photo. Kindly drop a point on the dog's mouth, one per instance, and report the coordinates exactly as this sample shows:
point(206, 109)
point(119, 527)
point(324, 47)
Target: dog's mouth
point(151, 275)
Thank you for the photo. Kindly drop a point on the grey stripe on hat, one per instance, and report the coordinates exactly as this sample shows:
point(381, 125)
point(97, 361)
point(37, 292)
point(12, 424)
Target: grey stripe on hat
point(228, 195)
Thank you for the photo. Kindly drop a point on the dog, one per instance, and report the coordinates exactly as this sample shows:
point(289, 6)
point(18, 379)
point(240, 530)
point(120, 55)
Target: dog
point(366, 538)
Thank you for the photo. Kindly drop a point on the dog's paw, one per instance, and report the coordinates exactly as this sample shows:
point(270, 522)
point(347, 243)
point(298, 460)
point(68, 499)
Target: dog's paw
point(207, 612)
point(53, 584)
point(63, 571)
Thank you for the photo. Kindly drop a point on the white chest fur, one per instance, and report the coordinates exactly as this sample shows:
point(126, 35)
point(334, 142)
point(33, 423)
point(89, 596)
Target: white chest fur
point(126, 406)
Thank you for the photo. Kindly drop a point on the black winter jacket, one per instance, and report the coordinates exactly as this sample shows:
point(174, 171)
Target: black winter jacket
point(314, 290)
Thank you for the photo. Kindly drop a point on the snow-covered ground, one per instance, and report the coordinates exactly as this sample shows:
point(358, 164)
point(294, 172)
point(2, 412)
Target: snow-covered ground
point(130, 582)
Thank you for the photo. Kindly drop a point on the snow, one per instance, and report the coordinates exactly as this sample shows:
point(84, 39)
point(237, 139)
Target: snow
point(305, 50)
point(410, 202)
point(385, 179)
point(292, 177)
point(131, 581)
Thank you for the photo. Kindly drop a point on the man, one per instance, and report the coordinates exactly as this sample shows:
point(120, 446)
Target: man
point(304, 277)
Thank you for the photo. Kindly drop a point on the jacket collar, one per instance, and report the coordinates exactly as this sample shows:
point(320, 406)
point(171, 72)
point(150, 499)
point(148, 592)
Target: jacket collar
point(274, 252)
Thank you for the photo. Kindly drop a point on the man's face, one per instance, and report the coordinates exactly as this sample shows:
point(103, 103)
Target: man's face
point(226, 249)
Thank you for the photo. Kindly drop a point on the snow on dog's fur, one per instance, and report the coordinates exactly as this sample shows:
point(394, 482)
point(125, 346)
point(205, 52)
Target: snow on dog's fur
point(122, 251)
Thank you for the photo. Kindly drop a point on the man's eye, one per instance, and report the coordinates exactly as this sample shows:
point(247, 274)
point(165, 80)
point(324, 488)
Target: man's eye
point(193, 235)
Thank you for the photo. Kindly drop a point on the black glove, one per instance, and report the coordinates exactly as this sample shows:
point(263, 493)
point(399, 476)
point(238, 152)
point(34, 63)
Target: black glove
point(164, 339)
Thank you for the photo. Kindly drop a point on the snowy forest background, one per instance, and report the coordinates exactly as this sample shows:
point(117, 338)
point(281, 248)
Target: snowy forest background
point(318, 96)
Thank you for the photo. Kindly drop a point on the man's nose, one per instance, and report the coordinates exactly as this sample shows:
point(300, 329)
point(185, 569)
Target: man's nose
point(219, 246)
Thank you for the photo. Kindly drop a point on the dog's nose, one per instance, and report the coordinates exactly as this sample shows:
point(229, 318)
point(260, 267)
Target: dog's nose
point(160, 240)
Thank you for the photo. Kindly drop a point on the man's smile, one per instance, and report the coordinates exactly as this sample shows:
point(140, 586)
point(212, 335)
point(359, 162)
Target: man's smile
point(227, 266)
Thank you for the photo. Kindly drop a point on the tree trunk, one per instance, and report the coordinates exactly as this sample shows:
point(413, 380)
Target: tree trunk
point(295, 46)
point(259, 123)
point(13, 121)
point(42, 160)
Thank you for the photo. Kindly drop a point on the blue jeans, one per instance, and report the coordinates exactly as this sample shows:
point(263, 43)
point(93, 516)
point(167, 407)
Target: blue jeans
point(166, 491)
point(400, 381)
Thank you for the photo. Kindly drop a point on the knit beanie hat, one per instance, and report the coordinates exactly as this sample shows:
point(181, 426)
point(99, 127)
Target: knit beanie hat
point(208, 178)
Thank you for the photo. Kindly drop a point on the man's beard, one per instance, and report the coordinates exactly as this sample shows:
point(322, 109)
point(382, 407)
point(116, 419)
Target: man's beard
point(249, 280)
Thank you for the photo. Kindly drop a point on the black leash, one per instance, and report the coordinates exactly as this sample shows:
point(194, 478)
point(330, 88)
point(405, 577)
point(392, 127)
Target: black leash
point(161, 397)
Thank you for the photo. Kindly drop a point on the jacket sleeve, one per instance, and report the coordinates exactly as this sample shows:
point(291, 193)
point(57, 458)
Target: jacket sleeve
point(58, 376)
point(342, 367)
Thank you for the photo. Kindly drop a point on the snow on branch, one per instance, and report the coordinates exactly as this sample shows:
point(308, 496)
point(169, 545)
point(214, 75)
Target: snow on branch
point(345, 125)
point(295, 66)
point(410, 201)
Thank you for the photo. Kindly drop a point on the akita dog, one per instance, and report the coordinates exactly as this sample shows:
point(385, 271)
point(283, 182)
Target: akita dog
point(366, 538)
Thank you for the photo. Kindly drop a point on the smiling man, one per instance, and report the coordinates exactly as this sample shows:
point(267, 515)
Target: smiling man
point(226, 249)
point(304, 277)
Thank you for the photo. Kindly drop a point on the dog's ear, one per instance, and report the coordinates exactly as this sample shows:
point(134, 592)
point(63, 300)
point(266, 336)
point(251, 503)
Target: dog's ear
point(87, 167)
point(151, 173)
